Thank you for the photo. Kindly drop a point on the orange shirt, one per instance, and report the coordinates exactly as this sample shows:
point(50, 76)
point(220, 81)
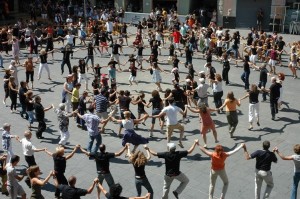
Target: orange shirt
point(218, 162)
point(231, 105)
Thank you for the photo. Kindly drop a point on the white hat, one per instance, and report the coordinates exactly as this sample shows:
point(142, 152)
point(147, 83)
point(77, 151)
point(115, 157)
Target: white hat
point(171, 146)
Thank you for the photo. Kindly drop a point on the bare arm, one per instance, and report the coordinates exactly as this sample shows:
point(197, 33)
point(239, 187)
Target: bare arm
point(235, 150)
point(73, 152)
point(204, 150)
point(90, 189)
point(247, 156)
point(150, 151)
point(42, 182)
point(121, 151)
point(282, 156)
point(196, 142)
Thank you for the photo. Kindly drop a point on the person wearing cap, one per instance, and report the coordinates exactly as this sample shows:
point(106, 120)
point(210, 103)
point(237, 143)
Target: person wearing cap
point(202, 92)
point(172, 122)
point(29, 70)
point(218, 158)
point(264, 159)
point(172, 162)
point(28, 151)
point(6, 141)
point(63, 120)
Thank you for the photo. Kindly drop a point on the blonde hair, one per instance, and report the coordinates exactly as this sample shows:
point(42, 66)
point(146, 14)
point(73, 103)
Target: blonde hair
point(60, 151)
point(127, 114)
point(138, 159)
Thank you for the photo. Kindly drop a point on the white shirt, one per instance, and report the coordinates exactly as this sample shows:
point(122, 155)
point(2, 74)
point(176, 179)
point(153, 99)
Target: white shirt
point(69, 20)
point(171, 114)
point(28, 148)
point(296, 159)
point(202, 90)
point(70, 39)
point(104, 17)
point(109, 26)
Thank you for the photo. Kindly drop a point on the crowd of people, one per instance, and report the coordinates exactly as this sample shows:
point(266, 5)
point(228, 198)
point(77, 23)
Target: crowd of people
point(93, 109)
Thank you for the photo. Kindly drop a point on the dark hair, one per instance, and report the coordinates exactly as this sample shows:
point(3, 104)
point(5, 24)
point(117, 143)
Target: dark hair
point(91, 108)
point(115, 190)
point(171, 100)
point(266, 145)
point(127, 93)
point(297, 149)
point(102, 148)
point(14, 159)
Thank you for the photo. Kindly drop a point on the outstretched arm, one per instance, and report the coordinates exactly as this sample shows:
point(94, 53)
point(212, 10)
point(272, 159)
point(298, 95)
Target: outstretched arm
point(235, 150)
point(121, 151)
point(196, 142)
point(247, 156)
point(90, 189)
point(282, 156)
point(150, 151)
point(204, 150)
point(73, 152)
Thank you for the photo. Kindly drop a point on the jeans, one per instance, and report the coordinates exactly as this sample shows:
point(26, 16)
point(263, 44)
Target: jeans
point(295, 185)
point(261, 176)
point(90, 57)
point(108, 178)
point(23, 110)
point(213, 177)
point(218, 98)
point(245, 78)
point(68, 64)
point(1, 61)
point(168, 181)
point(30, 117)
point(139, 182)
point(263, 84)
point(98, 139)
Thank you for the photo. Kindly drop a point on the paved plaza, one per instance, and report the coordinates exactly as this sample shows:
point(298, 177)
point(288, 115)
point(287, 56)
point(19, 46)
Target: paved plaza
point(283, 132)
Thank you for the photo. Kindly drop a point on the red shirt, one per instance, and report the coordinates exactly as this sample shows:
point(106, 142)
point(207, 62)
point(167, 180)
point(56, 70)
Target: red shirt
point(218, 161)
point(176, 36)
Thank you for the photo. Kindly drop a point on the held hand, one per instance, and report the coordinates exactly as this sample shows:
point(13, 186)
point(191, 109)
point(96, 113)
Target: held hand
point(243, 144)
point(45, 149)
point(96, 180)
point(244, 147)
point(197, 141)
point(127, 145)
point(77, 146)
point(275, 149)
point(146, 147)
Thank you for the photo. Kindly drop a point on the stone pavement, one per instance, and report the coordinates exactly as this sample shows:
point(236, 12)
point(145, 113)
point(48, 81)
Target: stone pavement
point(283, 132)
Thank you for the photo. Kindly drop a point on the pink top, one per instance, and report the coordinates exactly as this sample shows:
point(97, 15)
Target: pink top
point(273, 54)
point(206, 118)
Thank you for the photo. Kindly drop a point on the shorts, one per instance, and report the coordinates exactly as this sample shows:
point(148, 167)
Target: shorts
point(15, 191)
point(115, 56)
point(156, 111)
point(104, 44)
point(132, 78)
point(102, 115)
point(272, 62)
point(29, 74)
point(170, 128)
point(293, 64)
point(176, 45)
point(44, 16)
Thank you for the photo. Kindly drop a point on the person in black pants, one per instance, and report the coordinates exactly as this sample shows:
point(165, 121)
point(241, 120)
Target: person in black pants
point(22, 97)
point(274, 91)
point(67, 51)
point(13, 93)
point(226, 68)
point(263, 78)
point(40, 116)
point(60, 165)
point(28, 151)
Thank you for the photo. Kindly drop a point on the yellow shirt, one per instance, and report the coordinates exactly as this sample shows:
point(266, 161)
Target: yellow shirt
point(75, 95)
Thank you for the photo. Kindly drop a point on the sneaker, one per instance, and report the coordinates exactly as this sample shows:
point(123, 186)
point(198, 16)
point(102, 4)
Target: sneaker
point(4, 102)
point(151, 134)
point(175, 194)
point(258, 124)
point(162, 131)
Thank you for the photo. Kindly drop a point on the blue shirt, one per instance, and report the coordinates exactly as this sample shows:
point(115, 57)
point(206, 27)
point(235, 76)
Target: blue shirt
point(92, 123)
point(101, 103)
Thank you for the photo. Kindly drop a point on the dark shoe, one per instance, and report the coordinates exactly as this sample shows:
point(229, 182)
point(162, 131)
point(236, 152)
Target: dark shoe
point(40, 137)
point(273, 118)
point(258, 124)
point(5, 193)
point(175, 194)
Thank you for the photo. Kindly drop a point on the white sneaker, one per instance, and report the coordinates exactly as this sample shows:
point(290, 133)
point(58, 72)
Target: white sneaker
point(151, 134)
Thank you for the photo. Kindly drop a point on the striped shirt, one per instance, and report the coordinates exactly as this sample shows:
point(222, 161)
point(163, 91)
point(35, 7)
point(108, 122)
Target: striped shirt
point(92, 123)
point(101, 103)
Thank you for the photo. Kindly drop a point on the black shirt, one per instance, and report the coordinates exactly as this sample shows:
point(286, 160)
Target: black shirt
point(90, 51)
point(39, 111)
point(175, 63)
point(124, 102)
point(178, 95)
point(212, 72)
point(6, 76)
point(59, 163)
point(139, 171)
point(69, 192)
point(246, 67)
point(115, 49)
point(263, 75)
point(253, 97)
point(82, 68)
point(102, 161)
point(43, 58)
point(275, 91)
point(264, 158)
point(156, 102)
point(22, 96)
point(29, 106)
point(172, 161)
point(66, 55)
point(140, 51)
